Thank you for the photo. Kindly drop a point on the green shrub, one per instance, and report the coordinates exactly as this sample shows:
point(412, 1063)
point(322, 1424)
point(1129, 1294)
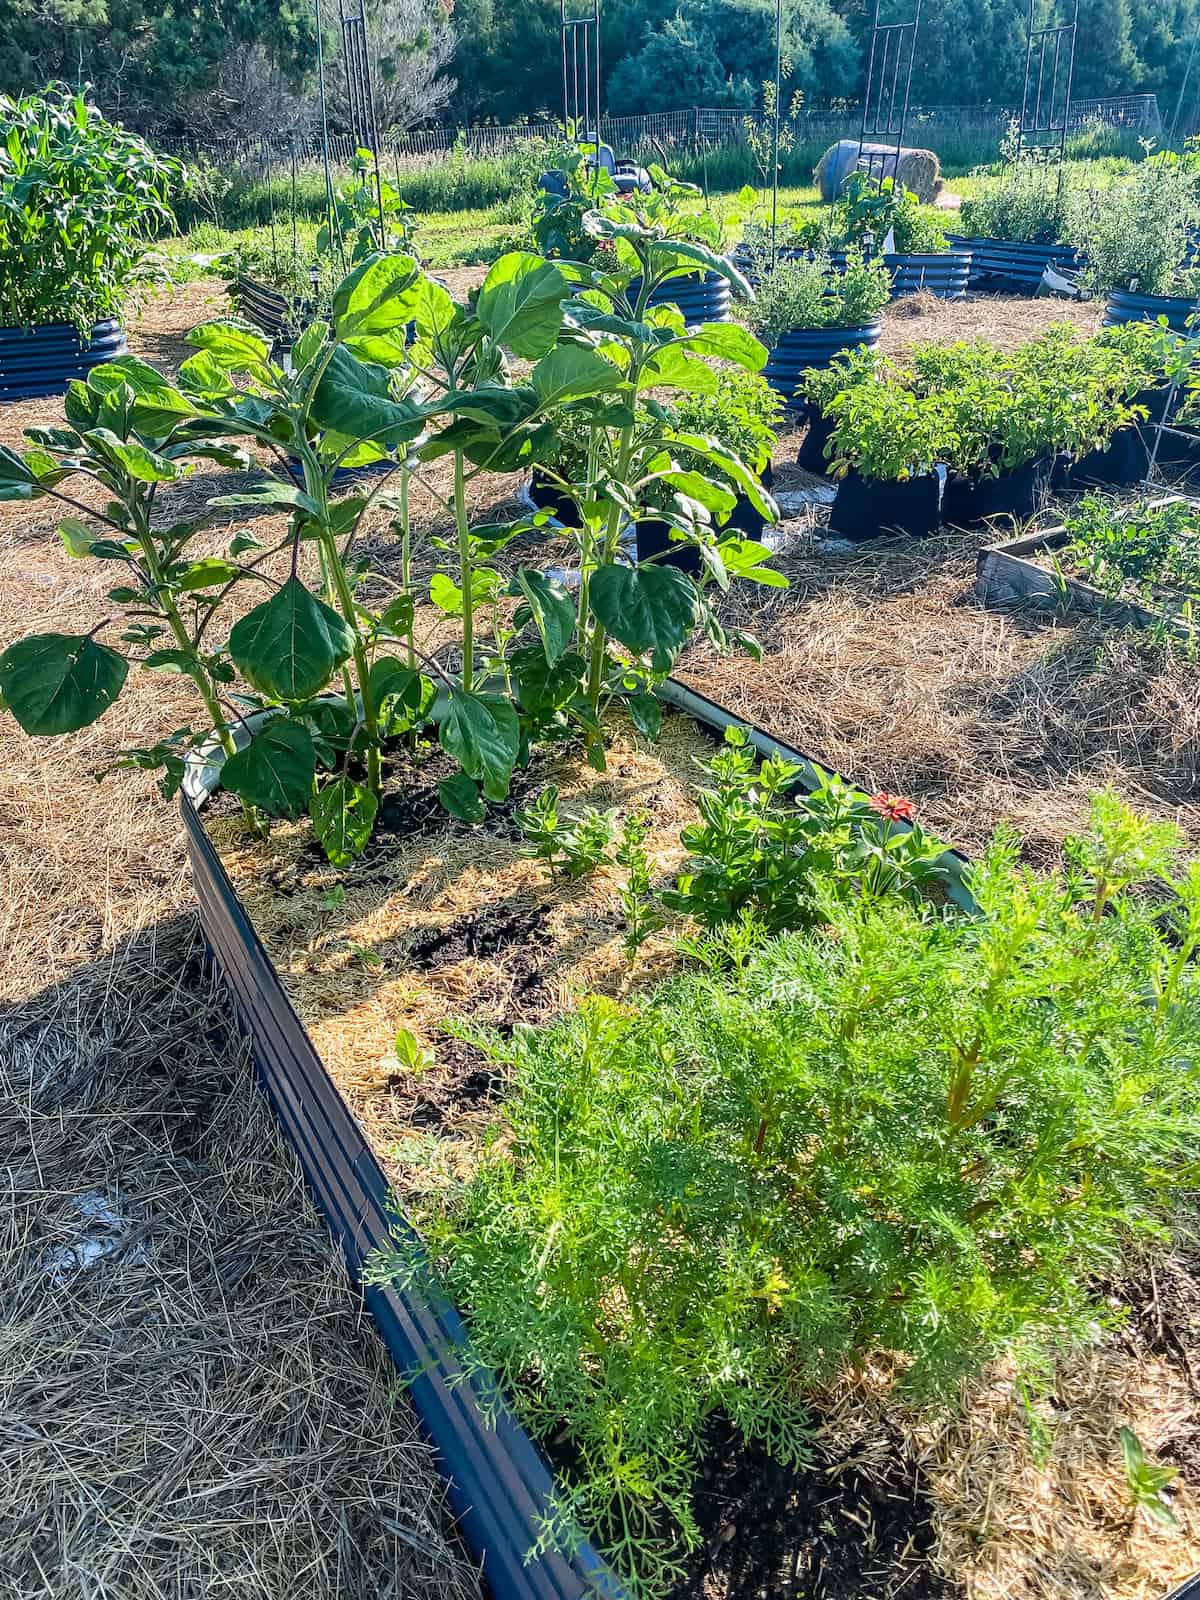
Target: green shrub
point(1135, 233)
point(909, 1137)
point(1143, 548)
point(742, 413)
point(1029, 201)
point(80, 198)
point(803, 294)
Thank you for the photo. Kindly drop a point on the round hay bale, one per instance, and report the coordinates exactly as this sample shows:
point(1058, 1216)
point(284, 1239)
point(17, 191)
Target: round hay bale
point(918, 170)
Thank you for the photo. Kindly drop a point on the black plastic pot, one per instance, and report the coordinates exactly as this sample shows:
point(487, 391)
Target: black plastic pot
point(1018, 492)
point(700, 296)
point(1125, 460)
point(1125, 306)
point(944, 275)
point(812, 347)
point(744, 517)
point(866, 509)
point(1010, 266)
point(45, 359)
point(653, 539)
point(811, 454)
point(547, 496)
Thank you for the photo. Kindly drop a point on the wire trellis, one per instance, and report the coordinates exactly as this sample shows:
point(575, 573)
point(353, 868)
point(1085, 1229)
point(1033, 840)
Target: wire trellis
point(581, 71)
point(1049, 76)
point(886, 92)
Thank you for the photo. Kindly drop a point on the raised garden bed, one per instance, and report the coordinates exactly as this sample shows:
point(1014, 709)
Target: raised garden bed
point(1009, 266)
point(498, 1478)
point(1029, 571)
point(44, 360)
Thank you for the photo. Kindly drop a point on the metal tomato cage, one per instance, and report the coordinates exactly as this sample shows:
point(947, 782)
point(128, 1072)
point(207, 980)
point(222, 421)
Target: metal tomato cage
point(1049, 75)
point(580, 38)
point(886, 92)
point(360, 100)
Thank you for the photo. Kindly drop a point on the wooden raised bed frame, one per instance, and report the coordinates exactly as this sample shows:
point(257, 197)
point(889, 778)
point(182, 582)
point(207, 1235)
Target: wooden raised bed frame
point(1005, 574)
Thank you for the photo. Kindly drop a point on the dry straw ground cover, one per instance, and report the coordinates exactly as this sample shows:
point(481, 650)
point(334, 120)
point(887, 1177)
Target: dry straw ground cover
point(193, 1402)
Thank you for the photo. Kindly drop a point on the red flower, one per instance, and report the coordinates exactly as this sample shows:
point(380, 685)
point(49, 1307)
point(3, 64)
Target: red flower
point(893, 807)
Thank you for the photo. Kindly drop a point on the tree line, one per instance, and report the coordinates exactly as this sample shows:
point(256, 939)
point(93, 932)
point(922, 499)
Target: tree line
point(222, 65)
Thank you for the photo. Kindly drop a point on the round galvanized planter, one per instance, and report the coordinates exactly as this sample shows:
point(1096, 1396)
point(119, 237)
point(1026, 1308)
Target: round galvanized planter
point(1187, 1591)
point(812, 347)
point(865, 509)
point(274, 313)
point(1010, 266)
point(945, 275)
point(1126, 306)
point(700, 296)
point(45, 359)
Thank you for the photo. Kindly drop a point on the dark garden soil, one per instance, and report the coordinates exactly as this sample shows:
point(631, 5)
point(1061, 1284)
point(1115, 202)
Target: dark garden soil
point(832, 1532)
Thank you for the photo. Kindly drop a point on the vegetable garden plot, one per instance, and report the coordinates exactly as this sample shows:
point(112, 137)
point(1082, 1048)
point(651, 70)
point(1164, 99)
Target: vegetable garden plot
point(1131, 565)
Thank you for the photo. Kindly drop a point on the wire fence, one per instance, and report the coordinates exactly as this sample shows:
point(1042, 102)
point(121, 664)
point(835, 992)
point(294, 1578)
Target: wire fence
point(696, 129)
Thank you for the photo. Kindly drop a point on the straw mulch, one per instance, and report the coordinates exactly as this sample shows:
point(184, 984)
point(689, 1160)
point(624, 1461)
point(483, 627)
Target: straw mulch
point(193, 1401)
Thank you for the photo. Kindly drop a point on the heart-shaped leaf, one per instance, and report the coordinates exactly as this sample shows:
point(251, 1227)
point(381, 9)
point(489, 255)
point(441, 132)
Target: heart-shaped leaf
point(276, 769)
point(354, 397)
point(572, 372)
point(379, 295)
point(343, 814)
point(290, 646)
point(520, 304)
point(550, 607)
point(652, 610)
point(483, 734)
point(59, 682)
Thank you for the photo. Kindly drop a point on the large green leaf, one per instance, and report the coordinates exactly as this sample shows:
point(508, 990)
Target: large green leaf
point(685, 249)
point(550, 607)
point(652, 610)
point(546, 686)
point(673, 368)
point(730, 342)
point(354, 397)
point(60, 682)
point(735, 469)
point(483, 734)
point(572, 372)
point(17, 482)
point(231, 345)
point(520, 304)
point(273, 493)
point(343, 814)
point(379, 295)
point(715, 497)
point(276, 769)
point(132, 458)
point(290, 646)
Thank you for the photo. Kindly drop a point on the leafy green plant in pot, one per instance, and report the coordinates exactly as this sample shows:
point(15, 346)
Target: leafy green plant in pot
point(329, 683)
point(82, 198)
point(742, 414)
point(815, 388)
point(1153, 367)
point(886, 444)
point(1135, 236)
point(807, 313)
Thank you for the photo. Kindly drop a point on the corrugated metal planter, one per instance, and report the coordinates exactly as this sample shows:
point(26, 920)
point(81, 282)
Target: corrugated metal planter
point(1012, 266)
point(43, 360)
point(1126, 306)
point(793, 352)
point(945, 275)
point(498, 1481)
point(266, 308)
point(700, 296)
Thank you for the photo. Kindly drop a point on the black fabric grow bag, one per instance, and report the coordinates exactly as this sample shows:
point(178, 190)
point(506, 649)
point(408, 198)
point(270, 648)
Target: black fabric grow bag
point(1125, 460)
point(811, 455)
point(700, 296)
point(1018, 492)
point(43, 360)
point(865, 509)
point(653, 538)
point(794, 352)
point(1125, 306)
point(547, 496)
point(1011, 266)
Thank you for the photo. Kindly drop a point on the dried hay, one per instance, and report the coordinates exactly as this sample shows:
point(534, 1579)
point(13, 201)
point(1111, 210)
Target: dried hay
point(198, 1405)
point(355, 970)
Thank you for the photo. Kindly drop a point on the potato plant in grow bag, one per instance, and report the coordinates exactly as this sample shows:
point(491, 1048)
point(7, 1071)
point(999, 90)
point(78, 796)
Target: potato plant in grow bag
point(332, 679)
